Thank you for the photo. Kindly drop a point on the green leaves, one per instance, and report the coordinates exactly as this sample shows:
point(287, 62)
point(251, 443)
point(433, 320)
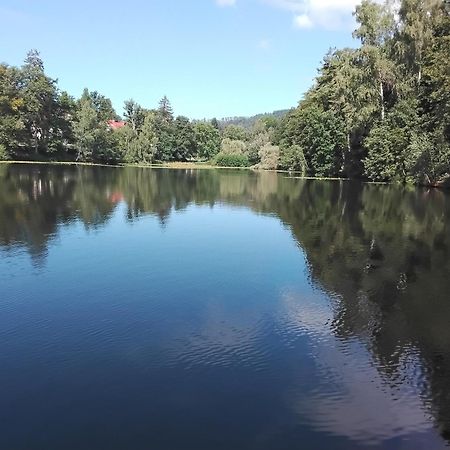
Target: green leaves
point(134, 114)
point(184, 139)
point(381, 111)
point(231, 160)
point(319, 136)
point(94, 141)
point(376, 23)
point(207, 140)
point(40, 99)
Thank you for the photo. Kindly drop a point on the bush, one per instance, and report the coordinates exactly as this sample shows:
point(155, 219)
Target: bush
point(227, 160)
point(233, 147)
point(269, 156)
point(293, 158)
point(428, 158)
point(4, 156)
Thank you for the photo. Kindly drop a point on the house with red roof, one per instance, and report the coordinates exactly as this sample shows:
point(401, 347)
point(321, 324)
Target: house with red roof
point(116, 124)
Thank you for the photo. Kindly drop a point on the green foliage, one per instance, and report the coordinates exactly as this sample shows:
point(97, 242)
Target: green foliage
point(416, 32)
point(166, 137)
point(435, 87)
point(93, 140)
point(235, 133)
point(148, 140)
point(166, 133)
point(85, 130)
point(376, 23)
point(260, 136)
point(184, 147)
point(231, 160)
point(165, 109)
point(138, 146)
point(62, 124)
point(233, 147)
point(243, 150)
point(293, 158)
point(42, 114)
point(11, 108)
point(134, 114)
point(207, 140)
point(429, 161)
point(215, 123)
point(269, 156)
point(127, 144)
point(321, 135)
point(380, 111)
point(248, 123)
point(4, 156)
point(102, 105)
point(388, 144)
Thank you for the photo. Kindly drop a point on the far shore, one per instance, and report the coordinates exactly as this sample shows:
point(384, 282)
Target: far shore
point(166, 165)
point(206, 165)
point(183, 165)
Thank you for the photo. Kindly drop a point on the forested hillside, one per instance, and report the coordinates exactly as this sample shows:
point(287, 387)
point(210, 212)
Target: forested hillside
point(249, 122)
point(378, 112)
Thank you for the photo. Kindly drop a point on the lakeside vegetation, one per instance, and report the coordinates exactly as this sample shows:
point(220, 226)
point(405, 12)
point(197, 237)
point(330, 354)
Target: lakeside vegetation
point(379, 112)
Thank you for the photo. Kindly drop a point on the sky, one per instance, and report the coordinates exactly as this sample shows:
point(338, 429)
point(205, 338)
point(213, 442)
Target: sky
point(212, 58)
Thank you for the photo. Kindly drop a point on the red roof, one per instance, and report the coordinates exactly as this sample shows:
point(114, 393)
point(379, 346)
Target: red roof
point(116, 124)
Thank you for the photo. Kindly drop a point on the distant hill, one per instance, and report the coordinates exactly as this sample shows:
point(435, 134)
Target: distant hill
point(248, 122)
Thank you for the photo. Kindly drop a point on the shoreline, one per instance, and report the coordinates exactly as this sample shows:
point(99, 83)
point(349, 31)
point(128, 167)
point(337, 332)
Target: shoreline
point(206, 166)
point(188, 165)
point(168, 165)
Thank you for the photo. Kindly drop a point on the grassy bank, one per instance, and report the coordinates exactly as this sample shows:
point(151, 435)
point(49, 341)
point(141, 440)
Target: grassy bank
point(168, 165)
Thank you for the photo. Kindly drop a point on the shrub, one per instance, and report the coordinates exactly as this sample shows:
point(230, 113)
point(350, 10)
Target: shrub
point(4, 156)
point(233, 147)
point(293, 158)
point(231, 160)
point(269, 156)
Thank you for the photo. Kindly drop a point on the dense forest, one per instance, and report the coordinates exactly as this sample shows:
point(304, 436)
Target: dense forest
point(379, 112)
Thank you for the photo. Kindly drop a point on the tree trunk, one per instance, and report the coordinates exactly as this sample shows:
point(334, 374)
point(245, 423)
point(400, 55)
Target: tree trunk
point(346, 154)
point(382, 100)
point(34, 134)
point(36, 144)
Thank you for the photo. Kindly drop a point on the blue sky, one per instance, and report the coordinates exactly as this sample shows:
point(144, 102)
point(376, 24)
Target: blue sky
point(212, 58)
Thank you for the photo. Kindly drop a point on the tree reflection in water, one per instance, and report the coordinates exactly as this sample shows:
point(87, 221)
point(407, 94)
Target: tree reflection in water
point(382, 253)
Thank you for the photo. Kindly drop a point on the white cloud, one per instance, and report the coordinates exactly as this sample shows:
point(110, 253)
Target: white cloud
point(303, 21)
point(329, 14)
point(223, 3)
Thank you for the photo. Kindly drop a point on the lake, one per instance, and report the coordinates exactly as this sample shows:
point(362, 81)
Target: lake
point(213, 309)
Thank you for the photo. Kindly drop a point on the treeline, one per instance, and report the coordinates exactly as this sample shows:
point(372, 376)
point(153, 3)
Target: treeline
point(381, 111)
point(378, 112)
point(250, 122)
point(38, 121)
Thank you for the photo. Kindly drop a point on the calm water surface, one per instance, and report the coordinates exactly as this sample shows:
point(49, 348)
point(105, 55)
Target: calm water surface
point(157, 309)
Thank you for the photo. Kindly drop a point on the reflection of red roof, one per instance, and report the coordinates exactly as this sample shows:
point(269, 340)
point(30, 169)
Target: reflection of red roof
point(116, 124)
point(116, 197)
